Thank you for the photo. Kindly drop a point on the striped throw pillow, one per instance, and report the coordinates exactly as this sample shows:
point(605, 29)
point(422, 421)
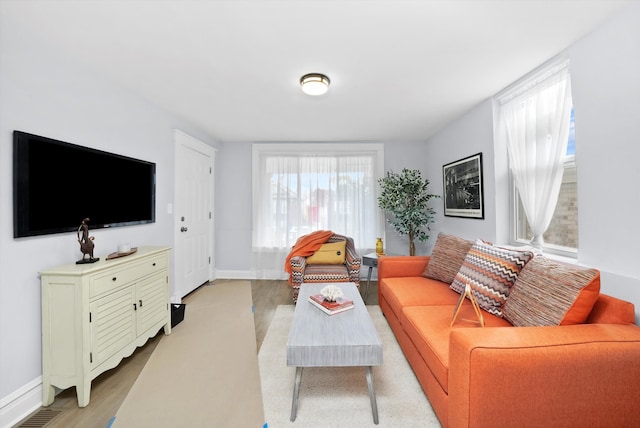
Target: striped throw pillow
point(446, 258)
point(490, 271)
point(552, 293)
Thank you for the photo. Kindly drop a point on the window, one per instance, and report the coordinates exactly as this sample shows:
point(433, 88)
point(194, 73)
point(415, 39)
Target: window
point(562, 235)
point(300, 188)
point(536, 124)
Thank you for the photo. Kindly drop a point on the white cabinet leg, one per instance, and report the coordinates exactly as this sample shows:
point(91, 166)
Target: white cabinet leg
point(83, 390)
point(48, 394)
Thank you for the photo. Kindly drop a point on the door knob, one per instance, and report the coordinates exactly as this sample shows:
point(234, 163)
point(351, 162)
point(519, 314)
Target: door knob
point(183, 229)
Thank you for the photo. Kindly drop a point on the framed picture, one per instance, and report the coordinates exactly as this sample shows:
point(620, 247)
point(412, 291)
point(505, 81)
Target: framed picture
point(462, 181)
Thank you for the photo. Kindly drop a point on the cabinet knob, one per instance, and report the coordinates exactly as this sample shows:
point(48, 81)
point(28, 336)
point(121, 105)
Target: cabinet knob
point(114, 279)
point(154, 264)
point(140, 301)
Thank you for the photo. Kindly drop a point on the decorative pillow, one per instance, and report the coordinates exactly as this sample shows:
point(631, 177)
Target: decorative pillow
point(552, 293)
point(447, 257)
point(331, 253)
point(490, 271)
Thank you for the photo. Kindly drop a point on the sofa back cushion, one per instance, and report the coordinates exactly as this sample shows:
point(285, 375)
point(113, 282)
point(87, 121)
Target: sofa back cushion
point(548, 292)
point(446, 258)
point(490, 271)
point(611, 310)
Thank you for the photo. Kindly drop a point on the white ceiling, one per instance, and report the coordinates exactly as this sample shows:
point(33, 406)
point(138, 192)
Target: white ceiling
point(400, 70)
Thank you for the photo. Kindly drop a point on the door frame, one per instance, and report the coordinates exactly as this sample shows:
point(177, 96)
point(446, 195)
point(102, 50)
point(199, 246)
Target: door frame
point(182, 139)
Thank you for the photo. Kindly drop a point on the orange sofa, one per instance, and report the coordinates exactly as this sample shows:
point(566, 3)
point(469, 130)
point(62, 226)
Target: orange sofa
point(583, 375)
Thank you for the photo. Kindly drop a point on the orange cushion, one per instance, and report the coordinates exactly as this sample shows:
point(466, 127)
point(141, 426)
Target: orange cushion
point(416, 291)
point(611, 310)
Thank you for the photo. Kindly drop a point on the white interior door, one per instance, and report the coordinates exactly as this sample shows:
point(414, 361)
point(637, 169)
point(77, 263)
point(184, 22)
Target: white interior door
point(193, 214)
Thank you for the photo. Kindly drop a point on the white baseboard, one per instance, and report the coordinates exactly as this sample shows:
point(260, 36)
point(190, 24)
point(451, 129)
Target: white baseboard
point(20, 403)
point(235, 274)
point(248, 275)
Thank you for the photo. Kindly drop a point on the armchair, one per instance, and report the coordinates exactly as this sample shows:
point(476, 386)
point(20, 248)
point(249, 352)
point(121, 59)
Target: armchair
point(349, 271)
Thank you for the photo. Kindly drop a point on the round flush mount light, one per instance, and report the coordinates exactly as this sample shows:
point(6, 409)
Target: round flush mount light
point(314, 83)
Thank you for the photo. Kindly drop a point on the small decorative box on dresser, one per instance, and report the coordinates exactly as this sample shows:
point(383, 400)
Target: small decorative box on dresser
point(94, 315)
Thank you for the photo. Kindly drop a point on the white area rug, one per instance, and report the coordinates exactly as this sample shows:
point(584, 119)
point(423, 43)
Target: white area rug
point(338, 397)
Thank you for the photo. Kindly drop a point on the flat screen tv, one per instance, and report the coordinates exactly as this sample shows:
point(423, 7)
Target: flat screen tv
point(56, 185)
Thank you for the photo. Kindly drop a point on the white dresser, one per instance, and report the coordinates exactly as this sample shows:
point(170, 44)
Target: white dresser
point(94, 315)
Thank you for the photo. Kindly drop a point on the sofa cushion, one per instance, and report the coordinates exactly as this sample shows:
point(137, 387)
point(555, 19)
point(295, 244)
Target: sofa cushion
point(446, 258)
point(490, 271)
point(331, 253)
point(415, 291)
point(326, 273)
point(428, 327)
point(548, 292)
point(611, 310)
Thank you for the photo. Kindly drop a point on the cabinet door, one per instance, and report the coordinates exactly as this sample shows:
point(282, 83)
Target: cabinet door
point(113, 324)
point(152, 302)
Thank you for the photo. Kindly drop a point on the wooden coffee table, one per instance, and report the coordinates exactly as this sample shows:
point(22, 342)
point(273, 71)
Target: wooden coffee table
point(354, 340)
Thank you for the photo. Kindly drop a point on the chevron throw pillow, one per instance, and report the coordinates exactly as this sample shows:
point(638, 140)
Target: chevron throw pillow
point(490, 271)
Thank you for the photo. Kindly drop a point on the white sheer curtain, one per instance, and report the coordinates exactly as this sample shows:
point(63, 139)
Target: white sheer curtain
point(301, 188)
point(535, 118)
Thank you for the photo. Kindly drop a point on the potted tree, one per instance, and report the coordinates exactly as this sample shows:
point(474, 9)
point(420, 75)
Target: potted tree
point(406, 198)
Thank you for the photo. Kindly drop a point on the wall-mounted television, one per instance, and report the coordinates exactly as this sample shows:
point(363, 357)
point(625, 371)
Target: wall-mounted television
point(57, 184)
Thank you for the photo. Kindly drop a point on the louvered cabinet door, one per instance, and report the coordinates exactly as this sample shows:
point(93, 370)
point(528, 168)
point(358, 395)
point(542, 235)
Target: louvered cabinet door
point(113, 324)
point(151, 302)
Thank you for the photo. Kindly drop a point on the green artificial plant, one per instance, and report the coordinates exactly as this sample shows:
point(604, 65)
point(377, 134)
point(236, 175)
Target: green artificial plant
point(406, 198)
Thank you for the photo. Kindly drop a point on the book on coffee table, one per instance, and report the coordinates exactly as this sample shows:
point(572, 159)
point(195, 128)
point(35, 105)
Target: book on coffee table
point(330, 308)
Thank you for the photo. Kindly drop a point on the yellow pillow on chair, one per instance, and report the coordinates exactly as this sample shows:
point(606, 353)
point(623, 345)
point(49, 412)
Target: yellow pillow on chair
point(328, 254)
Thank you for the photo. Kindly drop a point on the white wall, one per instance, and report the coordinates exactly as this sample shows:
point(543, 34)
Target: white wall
point(605, 77)
point(605, 74)
point(411, 155)
point(45, 93)
point(233, 211)
point(470, 134)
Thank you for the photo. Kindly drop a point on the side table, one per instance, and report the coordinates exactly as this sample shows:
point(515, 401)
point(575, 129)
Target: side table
point(370, 260)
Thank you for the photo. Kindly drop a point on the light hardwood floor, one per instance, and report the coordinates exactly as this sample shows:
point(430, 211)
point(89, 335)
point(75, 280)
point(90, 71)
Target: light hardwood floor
point(109, 390)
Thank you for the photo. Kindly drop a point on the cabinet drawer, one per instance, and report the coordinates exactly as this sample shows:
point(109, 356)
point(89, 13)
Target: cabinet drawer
point(113, 279)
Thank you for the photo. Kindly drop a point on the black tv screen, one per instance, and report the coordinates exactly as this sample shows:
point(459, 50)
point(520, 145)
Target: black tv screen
point(56, 185)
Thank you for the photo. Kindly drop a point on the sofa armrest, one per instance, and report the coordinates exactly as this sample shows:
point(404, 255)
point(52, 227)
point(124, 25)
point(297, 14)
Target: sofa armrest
point(298, 264)
point(579, 375)
point(352, 262)
point(401, 266)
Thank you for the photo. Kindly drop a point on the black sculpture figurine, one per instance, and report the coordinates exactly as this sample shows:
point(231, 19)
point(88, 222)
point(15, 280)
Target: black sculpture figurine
point(86, 243)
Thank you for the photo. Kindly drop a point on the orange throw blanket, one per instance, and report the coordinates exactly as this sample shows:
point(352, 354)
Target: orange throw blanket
point(305, 246)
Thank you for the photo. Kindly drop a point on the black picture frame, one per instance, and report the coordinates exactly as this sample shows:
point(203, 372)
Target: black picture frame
point(463, 188)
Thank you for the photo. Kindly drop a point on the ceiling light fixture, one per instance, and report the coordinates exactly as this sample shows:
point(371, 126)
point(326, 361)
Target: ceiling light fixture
point(314, 83)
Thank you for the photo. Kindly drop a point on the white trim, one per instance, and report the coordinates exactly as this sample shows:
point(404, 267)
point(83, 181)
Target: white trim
point(20, 403)
point(272, 276)
point(182, 139)
point(540, 75)
point(300, 147)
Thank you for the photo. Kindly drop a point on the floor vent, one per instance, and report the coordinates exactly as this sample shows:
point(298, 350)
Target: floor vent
point(40, 419)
